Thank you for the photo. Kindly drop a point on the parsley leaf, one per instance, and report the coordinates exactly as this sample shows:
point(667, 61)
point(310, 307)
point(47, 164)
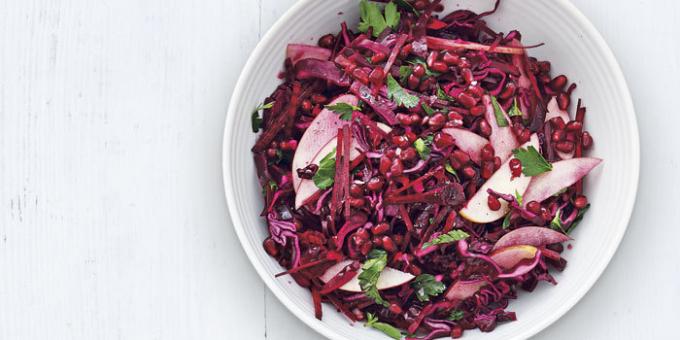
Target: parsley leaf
point(344, 110)
point(388, 329)
point(427, 286)
point(456, 315)
point(255, 120)
point(423, 147)
point(443, 95)
point(407, 6)
point(579, 218)
point(404, 73)
point(518, 197)
point(506, 221)
point(428, 110)
point(273, 186)
point(451, 236)
point(325, 175)
point(371, 16)
point(533, 163)
point(515, 111)
point(556, 223)
point(451, 170)
point(370, 273)
point(498, 112)
point(399, 95)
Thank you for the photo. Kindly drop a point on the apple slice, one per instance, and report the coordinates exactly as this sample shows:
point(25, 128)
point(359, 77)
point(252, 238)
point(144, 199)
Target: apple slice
point(477, 209)
point(564, 174)
point(555, 111)
point(509, 257)
point(389, 278)
point(469, 142)
point(297, 52)
point(462, 290)
point(502, 138)
point(319, 140)
point(532, 236)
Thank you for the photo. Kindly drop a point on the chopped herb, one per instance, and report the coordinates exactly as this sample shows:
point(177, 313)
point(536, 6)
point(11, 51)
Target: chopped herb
point(578, 218)
point(255, 120)
point(423, 63)
point(498, 112)
point(533, 163)
point(506, 221)
point(273, 186)
point(556, 222)
point(423, 148)
point(371, 16)
point(518, 197)
point(430, 111)
point(451, 170)
point(399, 95)
point(371, 269)
point(388, 329)
point(515, 111)
point(392, 15)
point(456, 315)
point(344, 110)
point(404, 73)
point(452, 236)
point(407, 6)
point(427, 286)
point(325, 175)
point(443, 95)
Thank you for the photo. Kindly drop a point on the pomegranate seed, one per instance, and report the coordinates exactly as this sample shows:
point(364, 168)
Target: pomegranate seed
point(395, 309)
point(272, 153)
point(413, 269)
point(319, 99)
point(558, 83)
point(432, 58)
point(360, 75)
point(487, 169)
point(376, 76)
point(437, 121)
point(586, 140)
point(378, 58)
point(487, 152)
point(327, 41)
point(467, 75)
point(574, 126)
point(450, 59)
point(497, 163)
point(377, 241)
point(493, 203)
point(410, 136)
point(366, 248)
point(534, 207)
point(408, 154)
point(356, 190)
point(515, 167)
point(558, 136)
point(508, 91)
point(470, 189)
point(469, 172)
point(306, 105)
point(357, 202)
point(456, 119)
point(544, 66)
point(388, 244)
point(524, 136)
point(558, 123)
point(385, 164)
point(413, 82)
point(456, 332)
point(404, 119)
point(467, 100)
point(375, 184)
point(400, 141)
point(380, 228)
point(443, 140)
point(398, 239)
point(362, 234)
point(270, 247)
point(544, 79)
point(580, 202)
point(563, 101)
point(566, 146)
point(477, 110)
point(391, 153)
point(397, 168)
point(425, 85)
point(545, 214)
point(460, 156)
point(406, 50)
point(464, 63)
point(418, 70)
point(484, 128)
point(316, 110)
point(440, 66)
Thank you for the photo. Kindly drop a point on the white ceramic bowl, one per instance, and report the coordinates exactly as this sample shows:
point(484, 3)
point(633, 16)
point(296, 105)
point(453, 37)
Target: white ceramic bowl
point(572, 45)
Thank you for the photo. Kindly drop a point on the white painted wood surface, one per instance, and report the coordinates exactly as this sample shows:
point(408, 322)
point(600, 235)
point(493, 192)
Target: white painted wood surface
point(112, 218)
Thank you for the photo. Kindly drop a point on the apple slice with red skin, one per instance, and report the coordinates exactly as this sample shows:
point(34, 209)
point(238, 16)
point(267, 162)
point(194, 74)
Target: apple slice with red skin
point(555, 111)
point(468, 142)
point(389, 278)
point(477, 208)
point(531, 236)
point(297, 52)
point(563, 174)
point(462, 290)
point(502, 139)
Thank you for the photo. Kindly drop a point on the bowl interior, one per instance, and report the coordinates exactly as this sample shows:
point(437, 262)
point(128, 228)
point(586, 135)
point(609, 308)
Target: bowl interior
point(572, 46)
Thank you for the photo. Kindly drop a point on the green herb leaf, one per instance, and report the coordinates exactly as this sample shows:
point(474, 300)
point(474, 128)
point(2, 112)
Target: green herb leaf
point(498, 112)
point(515, 111)
point(456, 315)
point(344, 110)
point(506, 221)
point(388, 329)
point(428, 110)
point(533, 163)
point(407, 6)
point(325, 175)
point(427, 286)
point(518, 197)
point(420, 61)
point(371, 269)
point(423, 148)
point(255, 120)
point(371, 16)
point(392, 15)
point(404, 73)
point(443, 95)
point(452, 236)
point(556, 223)
point(578, 219)
point(273, 186)
point(399, 95)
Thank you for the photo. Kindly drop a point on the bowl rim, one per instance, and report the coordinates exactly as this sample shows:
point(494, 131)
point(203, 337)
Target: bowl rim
point(324, 329)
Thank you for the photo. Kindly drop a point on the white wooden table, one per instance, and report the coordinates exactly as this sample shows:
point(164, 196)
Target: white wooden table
point(113, 223)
